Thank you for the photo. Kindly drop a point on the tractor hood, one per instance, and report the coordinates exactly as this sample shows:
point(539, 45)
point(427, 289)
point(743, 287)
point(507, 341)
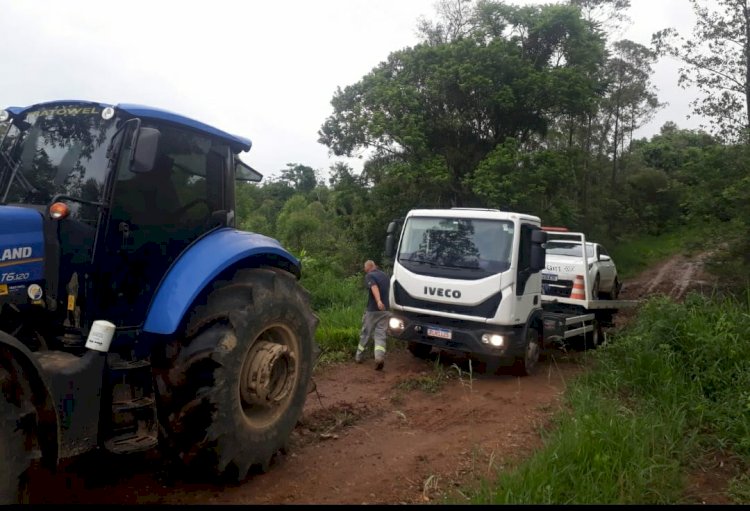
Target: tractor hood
point(21, 248)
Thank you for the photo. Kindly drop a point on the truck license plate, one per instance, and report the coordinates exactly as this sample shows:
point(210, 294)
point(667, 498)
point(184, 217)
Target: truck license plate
point(442, 333)
point(549, 276)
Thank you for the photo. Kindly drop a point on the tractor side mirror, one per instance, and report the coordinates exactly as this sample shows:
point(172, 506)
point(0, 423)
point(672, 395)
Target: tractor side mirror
point(244, 172)
point(146, 147)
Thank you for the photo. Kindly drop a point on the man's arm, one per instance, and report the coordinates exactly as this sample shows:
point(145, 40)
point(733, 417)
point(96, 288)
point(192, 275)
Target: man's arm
point(376, 294)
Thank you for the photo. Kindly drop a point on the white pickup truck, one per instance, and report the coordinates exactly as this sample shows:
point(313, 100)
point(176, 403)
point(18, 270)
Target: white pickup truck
point(565, 263)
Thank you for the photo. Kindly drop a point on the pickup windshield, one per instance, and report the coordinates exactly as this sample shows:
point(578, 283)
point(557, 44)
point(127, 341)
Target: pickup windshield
point(479, 245)
point(54, 150)
point(568, 248)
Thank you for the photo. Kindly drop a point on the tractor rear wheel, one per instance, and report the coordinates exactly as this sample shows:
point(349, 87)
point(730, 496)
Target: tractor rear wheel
point(14, 452)
point(236, 386)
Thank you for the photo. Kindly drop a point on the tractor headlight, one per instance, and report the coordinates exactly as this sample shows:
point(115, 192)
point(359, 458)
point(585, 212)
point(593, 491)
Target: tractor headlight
point(4, 115)
point(495, 340)
point(396, 324)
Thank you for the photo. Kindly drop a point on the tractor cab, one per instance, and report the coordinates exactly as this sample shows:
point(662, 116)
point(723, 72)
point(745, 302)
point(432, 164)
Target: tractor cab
point(108, 198)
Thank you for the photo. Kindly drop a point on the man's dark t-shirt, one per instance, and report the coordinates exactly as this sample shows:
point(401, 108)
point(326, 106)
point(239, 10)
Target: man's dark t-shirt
point(380, 279)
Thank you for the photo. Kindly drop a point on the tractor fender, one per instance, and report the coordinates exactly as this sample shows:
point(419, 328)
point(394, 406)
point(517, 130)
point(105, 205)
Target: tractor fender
point(48, 425)
point(198, 267)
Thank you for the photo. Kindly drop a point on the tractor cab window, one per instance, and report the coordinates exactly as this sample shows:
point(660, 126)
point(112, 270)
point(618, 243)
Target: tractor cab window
point(182, 190)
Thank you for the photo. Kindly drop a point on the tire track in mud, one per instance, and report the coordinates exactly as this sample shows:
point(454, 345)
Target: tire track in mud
point(674, 277)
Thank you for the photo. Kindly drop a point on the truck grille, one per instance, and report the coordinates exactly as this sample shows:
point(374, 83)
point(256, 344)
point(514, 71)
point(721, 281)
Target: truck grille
point(486, 309)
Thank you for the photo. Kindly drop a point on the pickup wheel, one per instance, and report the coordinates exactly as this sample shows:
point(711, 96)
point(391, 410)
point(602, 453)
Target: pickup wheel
point(524, 366)
point(595, 289)
point(419, 349)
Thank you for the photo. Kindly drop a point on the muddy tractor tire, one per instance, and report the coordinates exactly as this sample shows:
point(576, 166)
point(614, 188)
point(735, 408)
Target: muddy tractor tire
point(526, 364)
point(235, 388)
point(15, 455)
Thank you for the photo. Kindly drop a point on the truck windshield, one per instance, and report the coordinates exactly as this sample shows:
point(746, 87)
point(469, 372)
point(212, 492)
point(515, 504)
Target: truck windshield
point(59, 149)
point(477, 244)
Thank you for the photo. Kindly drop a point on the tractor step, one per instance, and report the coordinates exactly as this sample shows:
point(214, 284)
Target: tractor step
point(133, 404)
point(131, 443)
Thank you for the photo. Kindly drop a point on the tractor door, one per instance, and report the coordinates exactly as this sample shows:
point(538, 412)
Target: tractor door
point(155, 215)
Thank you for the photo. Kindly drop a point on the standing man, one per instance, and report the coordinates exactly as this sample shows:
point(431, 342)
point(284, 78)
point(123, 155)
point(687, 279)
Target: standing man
point(375, 319)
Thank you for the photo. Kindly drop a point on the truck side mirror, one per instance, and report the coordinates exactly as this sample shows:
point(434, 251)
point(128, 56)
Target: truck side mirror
point(146, 146)
point(538, 252)
point(538, 256)
point(538, 236)
point(389, 244)
point(391, 228)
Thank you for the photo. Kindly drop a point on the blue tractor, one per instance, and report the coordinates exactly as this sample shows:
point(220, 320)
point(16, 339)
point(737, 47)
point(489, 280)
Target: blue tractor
point(133, 314)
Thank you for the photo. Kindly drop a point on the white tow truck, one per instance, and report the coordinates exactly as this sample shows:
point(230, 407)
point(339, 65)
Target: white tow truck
point(469, 280)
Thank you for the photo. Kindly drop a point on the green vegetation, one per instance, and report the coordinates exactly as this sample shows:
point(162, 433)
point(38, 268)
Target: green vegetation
point(640, 252)
point(675, 385)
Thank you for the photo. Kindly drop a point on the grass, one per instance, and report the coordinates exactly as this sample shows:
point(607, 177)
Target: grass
point(634, 255)
point(430, 383)
point(676, 384)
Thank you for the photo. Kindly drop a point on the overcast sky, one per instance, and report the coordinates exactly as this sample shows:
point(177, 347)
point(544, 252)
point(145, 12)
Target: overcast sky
point(265, 70)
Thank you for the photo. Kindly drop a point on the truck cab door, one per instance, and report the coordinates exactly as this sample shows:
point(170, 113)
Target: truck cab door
point(528, 277)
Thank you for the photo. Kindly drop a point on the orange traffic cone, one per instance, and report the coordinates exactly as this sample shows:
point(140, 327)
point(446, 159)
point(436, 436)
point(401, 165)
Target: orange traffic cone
point(578, 292)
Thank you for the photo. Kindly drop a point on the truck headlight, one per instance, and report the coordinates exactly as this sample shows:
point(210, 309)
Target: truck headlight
point(4, 115)
point(396, 324)
point(495, 340)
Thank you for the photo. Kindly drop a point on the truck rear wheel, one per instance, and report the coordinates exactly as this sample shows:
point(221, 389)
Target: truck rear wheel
point(419, 350)
point(237, 386)
point(525, 365)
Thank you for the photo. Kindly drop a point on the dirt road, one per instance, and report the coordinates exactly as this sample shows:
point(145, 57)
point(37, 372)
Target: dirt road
point(413, 433)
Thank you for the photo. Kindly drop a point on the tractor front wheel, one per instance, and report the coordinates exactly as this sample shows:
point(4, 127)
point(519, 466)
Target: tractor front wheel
point(236, 387)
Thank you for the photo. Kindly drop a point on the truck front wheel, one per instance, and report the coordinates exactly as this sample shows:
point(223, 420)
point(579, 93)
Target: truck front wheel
point(525, 365)
point(237, 386)
point(419, 350)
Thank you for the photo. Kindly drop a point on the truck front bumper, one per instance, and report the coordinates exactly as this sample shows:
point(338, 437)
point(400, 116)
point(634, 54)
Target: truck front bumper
point(469, 337)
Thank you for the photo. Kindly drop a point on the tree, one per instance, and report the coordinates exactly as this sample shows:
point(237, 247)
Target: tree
point(631, 100)
point(716, 60)
point(442, 107)
point(300, 177)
